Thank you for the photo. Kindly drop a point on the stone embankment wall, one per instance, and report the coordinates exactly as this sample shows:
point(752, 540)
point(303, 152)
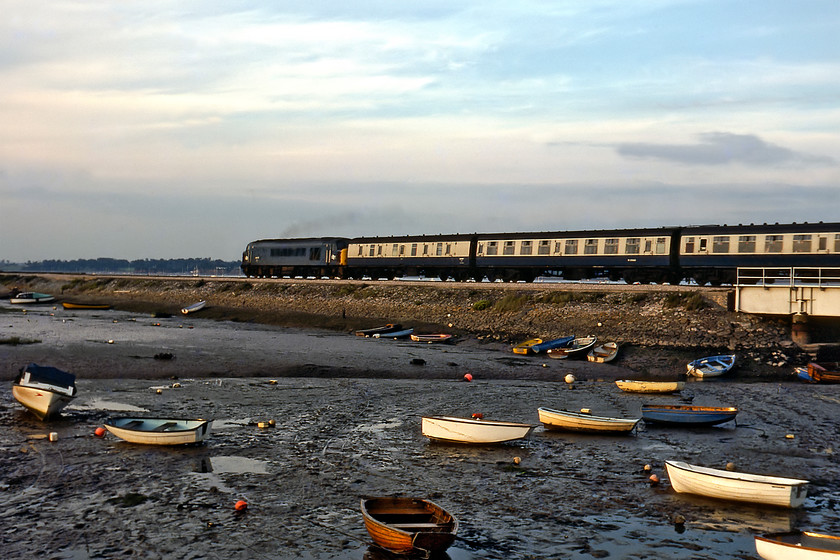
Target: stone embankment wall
point(666, 318)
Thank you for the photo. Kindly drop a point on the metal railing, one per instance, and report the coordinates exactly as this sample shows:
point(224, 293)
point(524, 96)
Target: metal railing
point(792, 277)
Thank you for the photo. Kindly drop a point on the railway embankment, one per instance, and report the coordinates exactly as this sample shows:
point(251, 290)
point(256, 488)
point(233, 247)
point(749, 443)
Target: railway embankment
point(644, 318)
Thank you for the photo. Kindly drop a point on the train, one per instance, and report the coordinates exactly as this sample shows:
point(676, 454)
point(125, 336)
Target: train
point(705, 254)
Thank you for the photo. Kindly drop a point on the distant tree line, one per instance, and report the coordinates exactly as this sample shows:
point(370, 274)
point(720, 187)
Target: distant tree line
point(202, 267)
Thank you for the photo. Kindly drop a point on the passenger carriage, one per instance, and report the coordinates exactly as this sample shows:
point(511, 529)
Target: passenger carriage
point(433, 256)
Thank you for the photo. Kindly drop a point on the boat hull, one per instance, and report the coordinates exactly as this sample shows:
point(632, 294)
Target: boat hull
point(193, 308)
point(431, 338)
point(741, 487)
point(468, 430)
point(550, 344)
point(31, 297)
point(97, 306)
point(578, 348)
point(680, 415)
point(797, 545)
point(43, 403)
point(405, 333)
point(409, 525)
point(159, 431)
point(581, 422)
point(390, 327)
point(633, 386)
point(526, 347)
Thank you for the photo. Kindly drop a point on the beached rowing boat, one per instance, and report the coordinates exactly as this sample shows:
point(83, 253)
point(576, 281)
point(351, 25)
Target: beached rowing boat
point(584, 422)
point(431, 338)
point(634, 386)
point(711, 366)
point(472, 430)
point(410, 526)
point(797, 545)
point(74, 305)
point(687, 415)
point(738, 486)
point(603, 353)
point(31, 297)
point(44, 390)
point(525, 347)
point(159, 431)
point(561, 342)
point(384, 329)
point(578, 348)
point(405, 333)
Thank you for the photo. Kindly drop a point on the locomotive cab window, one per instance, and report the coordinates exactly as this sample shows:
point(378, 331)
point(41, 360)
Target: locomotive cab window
point(525, 248)
point(631, 247)
point(746, 244)
point(801, 243)
point(314, 253)
point(772, 243)
point(590, 247)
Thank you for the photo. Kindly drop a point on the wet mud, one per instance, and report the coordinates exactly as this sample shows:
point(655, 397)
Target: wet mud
point(338, 438)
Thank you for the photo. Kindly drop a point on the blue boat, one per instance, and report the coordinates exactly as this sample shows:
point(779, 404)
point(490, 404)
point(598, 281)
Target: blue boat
point(549, 344)
point(687, 415)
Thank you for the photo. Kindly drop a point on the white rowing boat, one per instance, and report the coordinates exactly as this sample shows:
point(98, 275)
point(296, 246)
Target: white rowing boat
point(797, 545)
point(584, 422)
point(737, 486)
point(159, 431)
point(44, 390)
point(198, 306)
point(472, 430)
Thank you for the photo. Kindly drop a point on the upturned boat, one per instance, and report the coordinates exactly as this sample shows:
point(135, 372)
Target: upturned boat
point(687, 415)
point(737, 486)
point(561, 342)
point(711, 366)
point(159, 431)
point(44, 390)
point(197, 306)
point(638, 386)
point(405, 333)
point(472, 430)
point(584, 422)
point(526, 347)
point(409, 526)
point(579, 347)
point(797, 545)
point(602, 353)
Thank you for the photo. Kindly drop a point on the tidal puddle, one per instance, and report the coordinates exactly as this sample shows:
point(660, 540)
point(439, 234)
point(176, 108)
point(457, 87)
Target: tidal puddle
point(102, 404)
point(233, 464)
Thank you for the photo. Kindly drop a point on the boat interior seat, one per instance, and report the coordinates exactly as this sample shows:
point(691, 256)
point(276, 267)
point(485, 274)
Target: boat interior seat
point(166, 426)
point(133, 424)
point(407, 526)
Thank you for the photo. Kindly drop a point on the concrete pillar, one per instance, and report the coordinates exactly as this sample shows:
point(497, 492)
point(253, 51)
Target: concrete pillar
point(800, 331)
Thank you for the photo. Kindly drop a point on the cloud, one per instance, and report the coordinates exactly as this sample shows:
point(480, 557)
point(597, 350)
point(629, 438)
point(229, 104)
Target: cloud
point(721, 148)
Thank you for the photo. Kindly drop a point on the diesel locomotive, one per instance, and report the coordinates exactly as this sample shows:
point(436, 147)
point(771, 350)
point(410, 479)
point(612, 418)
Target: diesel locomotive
point(707, 254)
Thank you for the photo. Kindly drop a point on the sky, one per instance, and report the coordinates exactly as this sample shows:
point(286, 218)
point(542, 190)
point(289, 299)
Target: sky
point(179, 129)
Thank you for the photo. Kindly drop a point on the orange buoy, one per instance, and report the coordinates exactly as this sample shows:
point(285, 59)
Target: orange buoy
point(467, 377)
point(99, 432)
point(654, 480)
point(241, 505)
point(477, 415)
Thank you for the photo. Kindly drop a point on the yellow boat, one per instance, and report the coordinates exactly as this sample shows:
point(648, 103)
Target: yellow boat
point(525, 347)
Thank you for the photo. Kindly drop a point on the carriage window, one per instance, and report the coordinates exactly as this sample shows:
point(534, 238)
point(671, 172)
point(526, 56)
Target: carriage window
point(801, 243)
point(314, 253)
point(837, 242)
point(379, 250)
point(746, 244)
point(557, 245)
point(425, 249)
point(509, 248)
point(544, 247)
point(648, 245)
point(439, 249)
point(493, 248)
point(394, 249)
point(720, 244)
point(414, 249)
point(402, 250)
point(590, 247)
point(632, 246)
point(525, 248)
point(611, 247)
point(689, 244)
point(571, 246)
point(372, 249)
point(361, 249)
point(449, 248)
point(660, 245)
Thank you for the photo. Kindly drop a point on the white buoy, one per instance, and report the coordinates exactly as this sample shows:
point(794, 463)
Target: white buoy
point(569, 378)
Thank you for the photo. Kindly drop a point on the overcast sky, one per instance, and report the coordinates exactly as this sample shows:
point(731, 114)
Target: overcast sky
point(164, 129)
